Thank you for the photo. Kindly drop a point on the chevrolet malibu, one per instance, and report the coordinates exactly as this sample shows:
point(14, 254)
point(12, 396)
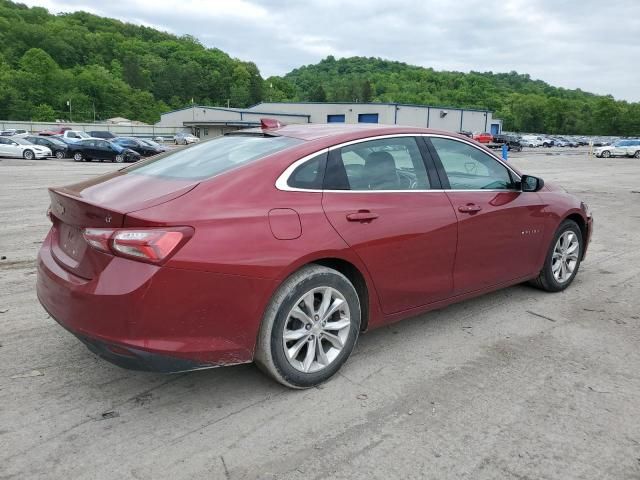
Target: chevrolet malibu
point(281, 244)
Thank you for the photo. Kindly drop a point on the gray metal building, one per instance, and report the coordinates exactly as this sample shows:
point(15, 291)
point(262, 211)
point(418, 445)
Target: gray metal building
point(207, 122)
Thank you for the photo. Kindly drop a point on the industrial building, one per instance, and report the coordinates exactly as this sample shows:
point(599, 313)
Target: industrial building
point(206, 122)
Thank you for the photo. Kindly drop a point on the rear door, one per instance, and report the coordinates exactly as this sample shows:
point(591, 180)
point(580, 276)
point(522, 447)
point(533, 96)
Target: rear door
point(380, 198)
point(499, 227)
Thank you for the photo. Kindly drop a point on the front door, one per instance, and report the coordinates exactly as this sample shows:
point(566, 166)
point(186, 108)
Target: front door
point(499, 226)
point(378, 197)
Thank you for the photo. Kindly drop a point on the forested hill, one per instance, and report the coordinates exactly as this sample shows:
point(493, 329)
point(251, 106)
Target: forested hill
point(108, 68)
point(116, 68)
point(524, 104)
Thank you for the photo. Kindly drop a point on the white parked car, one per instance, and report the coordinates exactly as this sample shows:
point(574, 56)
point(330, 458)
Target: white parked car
point(75, 135)
point(531, 141)
point(621, 148)
point(18, 147)
point(14, 132)
point(185, 139)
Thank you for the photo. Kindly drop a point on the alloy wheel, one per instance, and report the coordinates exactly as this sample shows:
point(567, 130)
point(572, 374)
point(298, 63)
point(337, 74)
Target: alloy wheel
point(59, 154)
point(316, 329)
point(565, 256)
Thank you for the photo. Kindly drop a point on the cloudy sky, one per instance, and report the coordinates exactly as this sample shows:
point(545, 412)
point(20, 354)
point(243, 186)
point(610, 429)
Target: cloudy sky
point(589, 44)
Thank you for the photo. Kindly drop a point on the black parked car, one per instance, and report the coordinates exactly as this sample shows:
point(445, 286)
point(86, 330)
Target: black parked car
point(57, 146)
point(98, 149)
point(512, 141)
point(101, 134)
point(137, 145)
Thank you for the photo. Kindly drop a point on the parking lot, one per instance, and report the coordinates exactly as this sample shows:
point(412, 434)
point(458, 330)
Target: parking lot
point(517, 384)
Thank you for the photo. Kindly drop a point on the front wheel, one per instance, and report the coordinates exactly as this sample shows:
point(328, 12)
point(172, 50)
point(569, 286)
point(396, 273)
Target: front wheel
point(606, 154)
point(28, 155)
point(59, 154)
point(563, 258)
point(78, 157)
point(119, 158)
point(309, 328)
point(637, 154)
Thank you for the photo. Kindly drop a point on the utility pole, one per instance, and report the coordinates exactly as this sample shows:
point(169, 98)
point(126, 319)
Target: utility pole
point(94, 112)
point(69, 104)
point(227, 103)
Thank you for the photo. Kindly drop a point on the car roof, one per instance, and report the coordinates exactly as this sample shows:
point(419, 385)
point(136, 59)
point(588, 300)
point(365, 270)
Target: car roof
point(342, 132)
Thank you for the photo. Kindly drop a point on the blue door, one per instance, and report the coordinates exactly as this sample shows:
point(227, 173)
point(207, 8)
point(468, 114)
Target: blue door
point(368, 118)
point(495, 128)
point(335, 118)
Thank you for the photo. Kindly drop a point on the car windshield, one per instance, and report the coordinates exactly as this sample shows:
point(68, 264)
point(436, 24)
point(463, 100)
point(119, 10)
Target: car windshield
point(207, 159)
point(149, 143)
point(81, 135)
point(21, 141)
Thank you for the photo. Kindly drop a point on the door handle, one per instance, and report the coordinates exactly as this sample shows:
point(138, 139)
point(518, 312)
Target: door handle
point(362, 216)
point(469, 208)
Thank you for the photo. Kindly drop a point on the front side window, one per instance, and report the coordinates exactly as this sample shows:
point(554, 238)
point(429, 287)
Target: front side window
point(469, 168)
point(385, 164)
point(213, 157)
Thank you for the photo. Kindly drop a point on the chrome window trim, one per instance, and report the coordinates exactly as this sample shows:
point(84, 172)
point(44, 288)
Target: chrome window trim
point(282, 181)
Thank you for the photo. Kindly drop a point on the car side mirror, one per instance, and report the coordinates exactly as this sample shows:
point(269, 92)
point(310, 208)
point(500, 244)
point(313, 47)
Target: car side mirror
point(529, 183)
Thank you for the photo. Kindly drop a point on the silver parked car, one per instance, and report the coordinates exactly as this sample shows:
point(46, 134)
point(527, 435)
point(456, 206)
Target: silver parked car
point(621, 148)
point(185, 139)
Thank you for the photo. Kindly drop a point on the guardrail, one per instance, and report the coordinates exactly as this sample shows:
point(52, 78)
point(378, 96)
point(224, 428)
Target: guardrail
point(121, 130)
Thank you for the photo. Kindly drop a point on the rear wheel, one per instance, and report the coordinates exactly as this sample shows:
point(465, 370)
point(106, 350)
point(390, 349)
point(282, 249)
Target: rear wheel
point(59, 154)
point(78, 157)
point(637, 154)
point(309, 328)
point(28, 155)
point(563, 258)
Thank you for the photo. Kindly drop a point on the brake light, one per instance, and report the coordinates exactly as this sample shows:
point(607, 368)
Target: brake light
point(153, 245)
point(266, 123)
point(98, 238)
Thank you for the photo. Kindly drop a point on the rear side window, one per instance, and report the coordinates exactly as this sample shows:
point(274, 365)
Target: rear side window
point(207, 159)
point(309, 175)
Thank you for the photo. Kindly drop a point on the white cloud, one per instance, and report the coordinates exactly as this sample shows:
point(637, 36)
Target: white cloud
point(591, 45)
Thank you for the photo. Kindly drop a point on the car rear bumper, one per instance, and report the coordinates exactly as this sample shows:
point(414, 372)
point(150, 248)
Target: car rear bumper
point(146, 317)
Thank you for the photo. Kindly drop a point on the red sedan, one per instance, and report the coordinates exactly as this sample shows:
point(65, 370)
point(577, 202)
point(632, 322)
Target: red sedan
point(282, 244)
point(483, 137)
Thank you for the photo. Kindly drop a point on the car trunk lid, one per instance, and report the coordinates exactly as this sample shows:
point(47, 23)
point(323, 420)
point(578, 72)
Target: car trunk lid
point(101, 203)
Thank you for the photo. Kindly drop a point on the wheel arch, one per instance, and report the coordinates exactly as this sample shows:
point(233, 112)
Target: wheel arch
point(355, 272)
point(582, 224)
point(358, 280)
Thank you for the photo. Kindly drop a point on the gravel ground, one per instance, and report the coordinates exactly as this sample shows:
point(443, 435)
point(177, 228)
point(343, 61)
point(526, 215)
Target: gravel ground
point(516, 384)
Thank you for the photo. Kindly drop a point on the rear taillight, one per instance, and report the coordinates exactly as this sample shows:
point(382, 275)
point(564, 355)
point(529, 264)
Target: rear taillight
point(153, 245)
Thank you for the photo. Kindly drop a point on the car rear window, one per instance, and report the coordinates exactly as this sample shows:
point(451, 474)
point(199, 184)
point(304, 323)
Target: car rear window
point(213, 157)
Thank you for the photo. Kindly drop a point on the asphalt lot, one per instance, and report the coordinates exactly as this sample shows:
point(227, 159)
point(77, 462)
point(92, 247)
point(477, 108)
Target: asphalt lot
point(518, 384)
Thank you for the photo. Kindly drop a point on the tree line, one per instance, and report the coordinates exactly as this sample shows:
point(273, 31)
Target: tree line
point(104, 68)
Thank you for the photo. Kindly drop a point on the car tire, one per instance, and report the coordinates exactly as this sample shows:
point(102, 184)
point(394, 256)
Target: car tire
point(119, 159)
point(637, 154)
point(563, 258)
point(59, 154)
point(606, 154)
point(78, 157)
point(295, 310)
point(28, 155)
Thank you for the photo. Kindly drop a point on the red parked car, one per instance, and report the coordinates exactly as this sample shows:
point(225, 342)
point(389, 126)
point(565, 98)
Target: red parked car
point(281, 245)
point(483, 137)
point(57, 131)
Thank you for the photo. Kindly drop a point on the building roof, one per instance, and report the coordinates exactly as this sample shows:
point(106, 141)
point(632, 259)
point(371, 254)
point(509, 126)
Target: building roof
point(382, 104)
